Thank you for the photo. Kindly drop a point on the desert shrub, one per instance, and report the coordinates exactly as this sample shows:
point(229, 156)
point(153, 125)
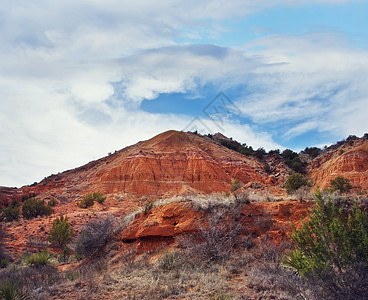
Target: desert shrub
point(264, 222)
point(86, 201)
point(51, 202)
point(148, 207)
point(94, 236)
point(341, 184)
point(90, 198)
point(64, 255)
point(39, 259)
point(331, 250)
point(4, 262)
point(217, 239)
point(240, 195)
point(12, 290)
point(32, 208)
point(98, 197)
point(29, 196)
point(294, 182)
point(168, 260)
point(222, 296)
point(31, 279)
point(61, 232)
point(11, 213)
point(303, 193)
point(72, 275)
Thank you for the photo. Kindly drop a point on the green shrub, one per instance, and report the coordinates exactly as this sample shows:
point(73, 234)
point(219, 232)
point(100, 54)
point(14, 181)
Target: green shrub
point(148, 207)
point(64, 256)
point(341, 184)
point(168, 260)
point(90, 198)
point(11, 290)
point(61, 232)
point(72, 275)
point(294, 182)
point(32, 208)
point(11, 213)
point(331, 249)
point(312, 151)
point(98, 197)
point(39, 259)
point(29, 196)
point(4, 263)
point(51, 202)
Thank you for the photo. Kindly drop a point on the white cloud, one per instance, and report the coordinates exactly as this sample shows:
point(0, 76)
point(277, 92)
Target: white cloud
point(58, 61)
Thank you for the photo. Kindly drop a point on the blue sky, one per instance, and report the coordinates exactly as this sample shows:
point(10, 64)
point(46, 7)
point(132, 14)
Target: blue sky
point(80, 79)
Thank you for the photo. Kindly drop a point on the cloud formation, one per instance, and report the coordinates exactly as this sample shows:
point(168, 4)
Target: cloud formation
point(73, 75)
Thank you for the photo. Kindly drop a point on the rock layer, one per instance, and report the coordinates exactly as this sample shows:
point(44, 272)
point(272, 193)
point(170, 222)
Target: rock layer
point(352, 164)
point(171, 163)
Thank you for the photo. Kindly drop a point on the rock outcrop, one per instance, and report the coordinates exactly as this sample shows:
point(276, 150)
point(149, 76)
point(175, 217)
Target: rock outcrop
point(352, 164)
point(163, 224)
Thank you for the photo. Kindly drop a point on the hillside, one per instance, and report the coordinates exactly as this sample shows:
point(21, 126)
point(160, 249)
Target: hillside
point(167, 195)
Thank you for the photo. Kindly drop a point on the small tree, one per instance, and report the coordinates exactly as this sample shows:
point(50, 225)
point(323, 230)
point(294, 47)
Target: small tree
point(341, 184)
point(331, 250)
point(294, 182)
point(32, 208)
point(61, 232)
point(11, 212)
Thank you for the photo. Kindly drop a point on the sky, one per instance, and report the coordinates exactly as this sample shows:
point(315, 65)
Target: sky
point(80, 79)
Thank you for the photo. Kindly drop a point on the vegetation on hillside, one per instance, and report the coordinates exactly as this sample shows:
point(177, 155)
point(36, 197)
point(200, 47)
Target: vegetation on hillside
point(341, 185)
point(331, 250)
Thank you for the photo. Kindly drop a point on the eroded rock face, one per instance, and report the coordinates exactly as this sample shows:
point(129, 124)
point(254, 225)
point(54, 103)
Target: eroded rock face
point(352, 164)
point(7, 195)
point(172, 163)
point(163, 224)
point(175, 162)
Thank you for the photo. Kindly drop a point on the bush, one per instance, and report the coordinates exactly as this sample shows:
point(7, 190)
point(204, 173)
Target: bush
point(148, 206)
point(11, 290)
point(51, 202)
point(29, 196)
point(61, 232)
point(293, 161)
point(32, 208)
point(94, 236)
point(98, 197)
point(331, 250)
point(217, 239)
point(11, 213)
point(341, 184)
point(294, 182)
point(90, 198)
point(39, 259)
point(168, 260)
point(86, 201)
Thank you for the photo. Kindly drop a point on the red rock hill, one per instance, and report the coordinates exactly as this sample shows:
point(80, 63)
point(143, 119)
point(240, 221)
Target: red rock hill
point(171, 163)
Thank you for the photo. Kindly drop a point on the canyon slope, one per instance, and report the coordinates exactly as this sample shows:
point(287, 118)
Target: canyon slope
point(348, 160)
